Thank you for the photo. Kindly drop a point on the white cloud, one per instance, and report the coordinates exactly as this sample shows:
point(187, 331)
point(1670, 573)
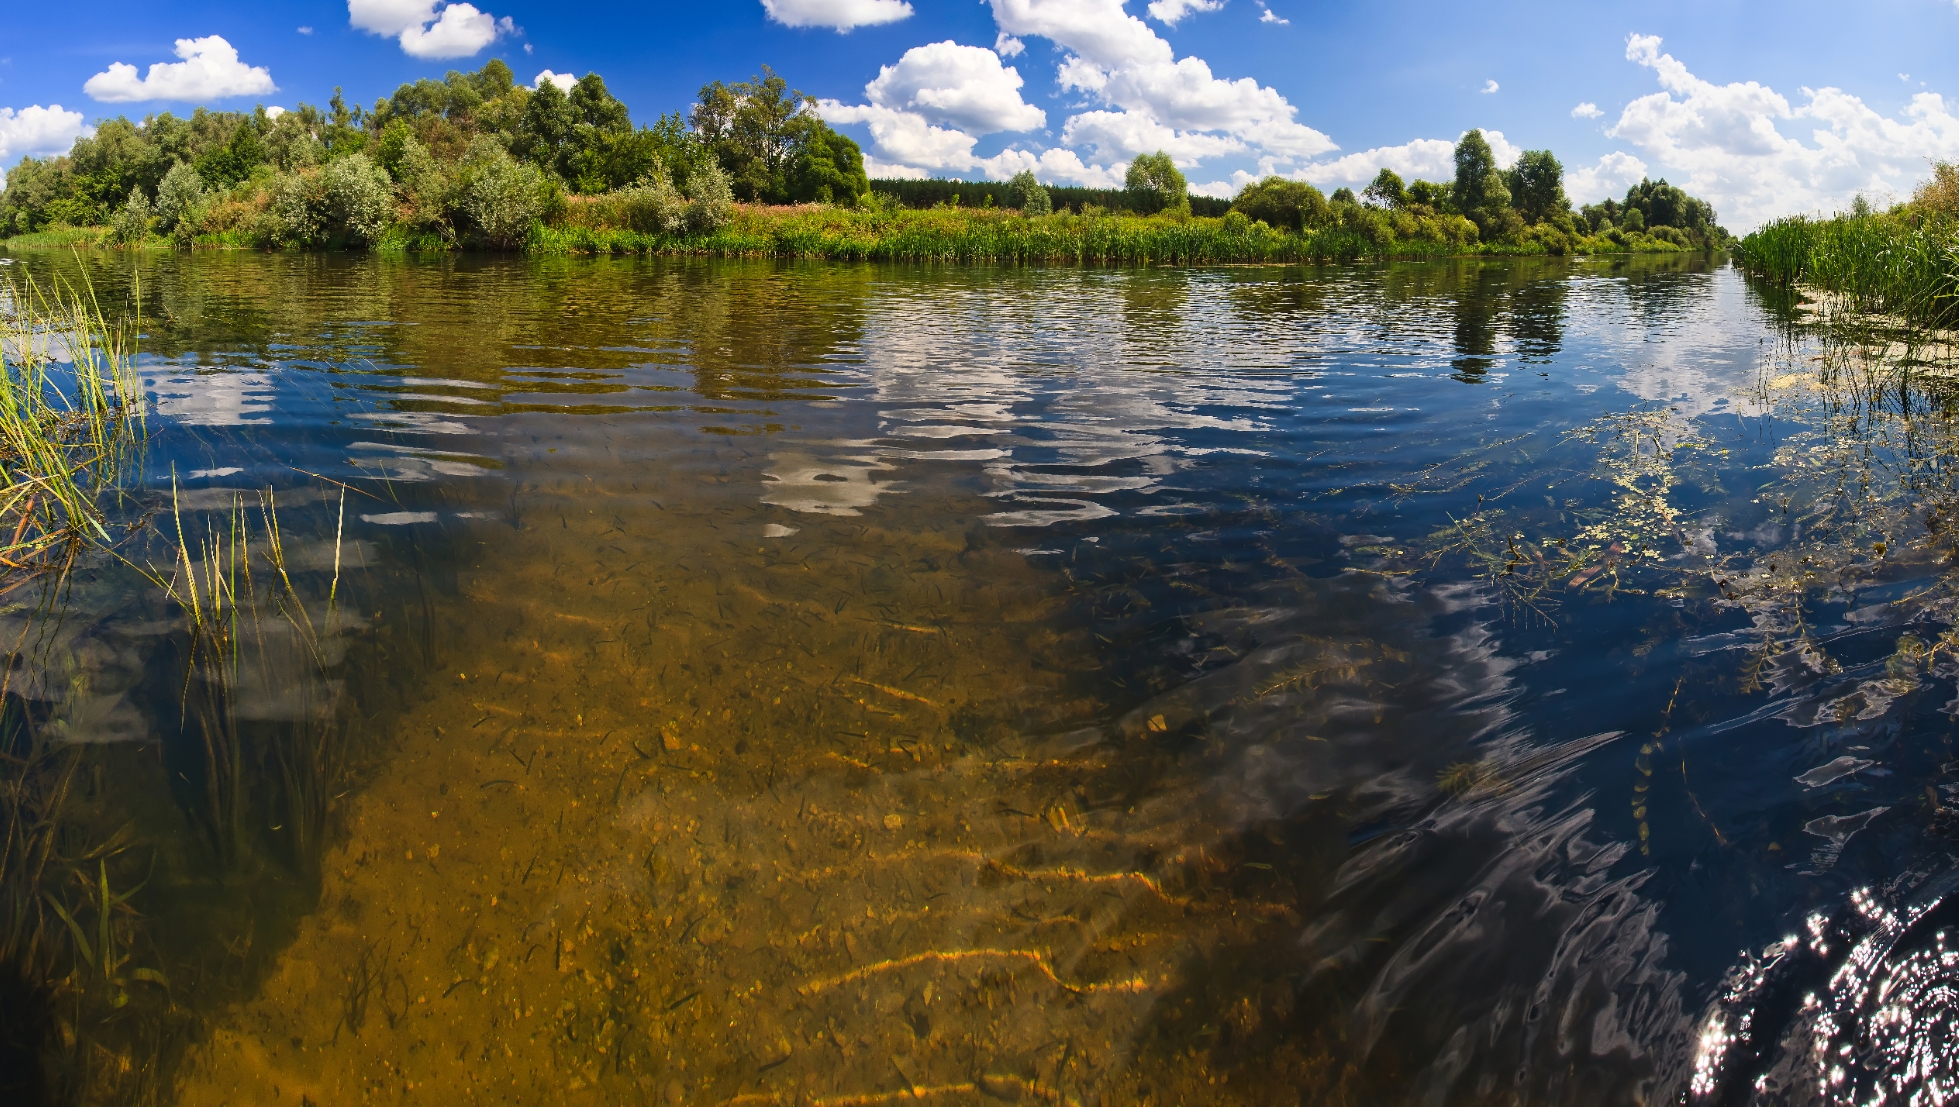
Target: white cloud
point(1724, 143)
point(839, 14)
point(1609, 179)
point(210, 70)
point(38, 131)
point(1586, 110)
point(1115, 58)
point(458, 31)
point(274, 112)
point(1266, 15)
point(389, 17)
point(959, 86)
point(928, 112)
point(1170, 11)
point(306, 30)
point(1490, 86)
point(564, 81)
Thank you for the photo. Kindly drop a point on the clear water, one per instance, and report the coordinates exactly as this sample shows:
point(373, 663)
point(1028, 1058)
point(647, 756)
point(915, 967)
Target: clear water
point(841, 685)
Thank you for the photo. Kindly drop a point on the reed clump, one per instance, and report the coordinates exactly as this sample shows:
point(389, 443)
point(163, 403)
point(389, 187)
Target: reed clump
point(1903, 262)
point(71, 420)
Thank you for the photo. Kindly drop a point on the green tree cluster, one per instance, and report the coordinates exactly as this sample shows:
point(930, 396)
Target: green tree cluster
point(473, 157)
point(1523, 207)
point(773, 146)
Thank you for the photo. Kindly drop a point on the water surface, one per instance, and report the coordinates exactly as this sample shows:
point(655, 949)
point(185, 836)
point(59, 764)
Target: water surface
point(761, 683)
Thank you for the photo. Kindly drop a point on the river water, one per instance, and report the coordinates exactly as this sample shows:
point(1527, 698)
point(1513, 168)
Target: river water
point(1510, 681)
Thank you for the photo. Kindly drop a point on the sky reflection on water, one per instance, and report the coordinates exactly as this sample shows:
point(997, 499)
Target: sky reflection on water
point(1053, 680)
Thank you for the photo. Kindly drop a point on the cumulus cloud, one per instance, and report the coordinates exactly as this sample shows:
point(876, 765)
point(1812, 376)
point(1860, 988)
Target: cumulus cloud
point(840, 15)
point(1586, 110)
point(1490, 86)
point(210, 70)
point(457, 31)
point(1170, 11)
point(959, 86)
point(929, 111)
point(564, 81)
point(1265, 15)
point(36, 130)
point(1432, 159)
point(1115, 58)
point(1726, 144)
point(1609, 179)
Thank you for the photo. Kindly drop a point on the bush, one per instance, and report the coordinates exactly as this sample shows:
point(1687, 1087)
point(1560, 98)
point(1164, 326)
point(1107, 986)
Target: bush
point(358, 198)
point(180, 200)
point(501, 197)
point(1289, 205)
point(296, 216)
point(132, 223)
point(652, 206)
point(713, 196)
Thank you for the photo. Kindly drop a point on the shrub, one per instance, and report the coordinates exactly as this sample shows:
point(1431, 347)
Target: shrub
point(713, 196)
point(1290, 205)
point(652, 206)
point(359, 200)
point(502, 197)
point(296, 216)
point(180, 202)
point(132, 223)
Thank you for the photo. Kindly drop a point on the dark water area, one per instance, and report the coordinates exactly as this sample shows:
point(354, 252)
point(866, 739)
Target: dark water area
point(1509, 681)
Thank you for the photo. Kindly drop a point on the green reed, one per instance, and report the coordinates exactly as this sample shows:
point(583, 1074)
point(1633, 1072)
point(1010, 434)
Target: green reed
point(71, 417)
point(211, 581)
point(1900, 264)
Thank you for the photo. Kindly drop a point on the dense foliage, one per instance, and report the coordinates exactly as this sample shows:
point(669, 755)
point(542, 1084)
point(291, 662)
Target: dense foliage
point(1522, 209)
point(478, 160)
point(472, 159)
point(1902, 262)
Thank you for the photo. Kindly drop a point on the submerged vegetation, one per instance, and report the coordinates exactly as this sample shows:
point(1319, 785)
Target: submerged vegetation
point(478, 161)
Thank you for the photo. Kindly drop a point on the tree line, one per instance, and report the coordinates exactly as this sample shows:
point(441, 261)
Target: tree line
point(478, 159)
point(1523, 205)
point(473, 157)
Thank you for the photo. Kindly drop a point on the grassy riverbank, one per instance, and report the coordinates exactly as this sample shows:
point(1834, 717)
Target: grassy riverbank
point(999, 236)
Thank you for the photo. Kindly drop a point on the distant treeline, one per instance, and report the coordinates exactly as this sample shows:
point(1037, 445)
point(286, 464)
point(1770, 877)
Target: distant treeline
point(477, 160)
point(1004, 194)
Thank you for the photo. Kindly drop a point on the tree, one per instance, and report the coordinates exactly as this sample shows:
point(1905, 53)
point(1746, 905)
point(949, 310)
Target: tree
point(826, 168)
point(1536, 185)
point(1387, 191)
point(1154, 184)
point(1479, 191)
point(1028, 194)
point(754, 128)
point(1289, 205)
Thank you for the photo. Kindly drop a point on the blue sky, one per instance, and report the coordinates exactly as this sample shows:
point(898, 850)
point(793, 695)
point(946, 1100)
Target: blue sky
point(1762, 108)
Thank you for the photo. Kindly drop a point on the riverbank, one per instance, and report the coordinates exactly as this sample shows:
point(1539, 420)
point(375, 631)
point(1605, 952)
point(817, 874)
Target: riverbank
point(816, 231)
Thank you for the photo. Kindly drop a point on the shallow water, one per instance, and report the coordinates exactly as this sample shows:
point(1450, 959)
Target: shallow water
point(838, 684)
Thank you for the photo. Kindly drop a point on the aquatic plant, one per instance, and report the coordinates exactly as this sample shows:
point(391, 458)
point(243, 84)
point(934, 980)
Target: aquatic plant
point(212, 584)
point(1903, 263)
point(71, 416)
